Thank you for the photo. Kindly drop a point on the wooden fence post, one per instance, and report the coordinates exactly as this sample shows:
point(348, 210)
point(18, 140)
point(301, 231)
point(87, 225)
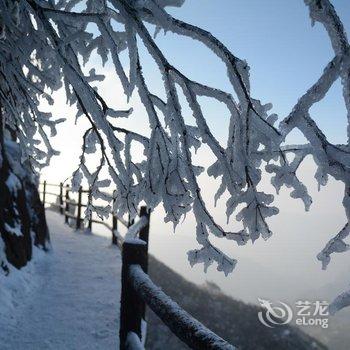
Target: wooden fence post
point(90, 219)
point(131, 306)
point(78, 223)
point(114, 228)
point(44, 193)
point(67, 204)
point(144, 235)
point(90, 223)
point(61, 198)
point(144, 232)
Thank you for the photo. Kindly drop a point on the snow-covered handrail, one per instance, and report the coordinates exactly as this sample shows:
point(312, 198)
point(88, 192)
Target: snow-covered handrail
point(183, 325)
point(138, 291)
point(141, 226)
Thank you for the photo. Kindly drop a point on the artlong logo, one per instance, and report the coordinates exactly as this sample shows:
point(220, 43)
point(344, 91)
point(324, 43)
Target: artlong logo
point(274, 315)
point(308, 313)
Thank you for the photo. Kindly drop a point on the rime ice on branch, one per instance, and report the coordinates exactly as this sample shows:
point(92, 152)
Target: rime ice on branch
point(42, 46)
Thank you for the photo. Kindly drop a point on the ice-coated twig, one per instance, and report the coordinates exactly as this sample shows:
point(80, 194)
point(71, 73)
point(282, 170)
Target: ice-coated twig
point(44, 47)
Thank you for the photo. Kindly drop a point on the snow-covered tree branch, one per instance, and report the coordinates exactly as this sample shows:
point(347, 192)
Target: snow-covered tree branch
point(45, 46)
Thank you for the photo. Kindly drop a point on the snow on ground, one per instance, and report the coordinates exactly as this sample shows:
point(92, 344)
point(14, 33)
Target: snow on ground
point(68, 299)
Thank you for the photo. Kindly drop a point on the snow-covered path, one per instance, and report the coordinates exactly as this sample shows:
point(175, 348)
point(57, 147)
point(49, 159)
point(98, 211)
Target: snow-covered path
point(75, 303)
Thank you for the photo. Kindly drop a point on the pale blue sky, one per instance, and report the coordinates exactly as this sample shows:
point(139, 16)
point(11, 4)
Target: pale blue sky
point(285, 53)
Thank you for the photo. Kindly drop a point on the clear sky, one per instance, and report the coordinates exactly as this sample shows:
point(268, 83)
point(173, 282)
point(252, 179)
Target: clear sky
point(286, 56)
point(285, 53)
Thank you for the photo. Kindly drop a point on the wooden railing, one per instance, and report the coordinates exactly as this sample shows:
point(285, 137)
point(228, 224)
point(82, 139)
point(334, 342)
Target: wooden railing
point(138, 290)
point(65, 203)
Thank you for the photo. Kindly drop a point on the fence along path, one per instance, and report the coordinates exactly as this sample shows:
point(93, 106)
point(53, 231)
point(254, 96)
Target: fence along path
point(65, 203)
point(137, 289)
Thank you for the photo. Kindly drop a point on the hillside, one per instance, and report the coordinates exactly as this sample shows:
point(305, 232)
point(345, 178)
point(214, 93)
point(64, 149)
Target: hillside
point(233, 320)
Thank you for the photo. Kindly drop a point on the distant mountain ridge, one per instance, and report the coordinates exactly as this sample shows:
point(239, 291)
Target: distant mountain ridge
point(233, 320)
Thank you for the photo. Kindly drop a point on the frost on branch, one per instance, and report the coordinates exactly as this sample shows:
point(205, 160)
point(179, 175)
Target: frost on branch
point(52, 54)
point(167, 174)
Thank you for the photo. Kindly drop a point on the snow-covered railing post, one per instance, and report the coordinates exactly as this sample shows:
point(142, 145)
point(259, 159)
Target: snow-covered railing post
point(144, 235)
point(78, 224)
point(90, 218)
point(144, 232)
point(67, 204)
point(131, 306)
point(44, 193)
point(61, 198)
point(114, 229)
